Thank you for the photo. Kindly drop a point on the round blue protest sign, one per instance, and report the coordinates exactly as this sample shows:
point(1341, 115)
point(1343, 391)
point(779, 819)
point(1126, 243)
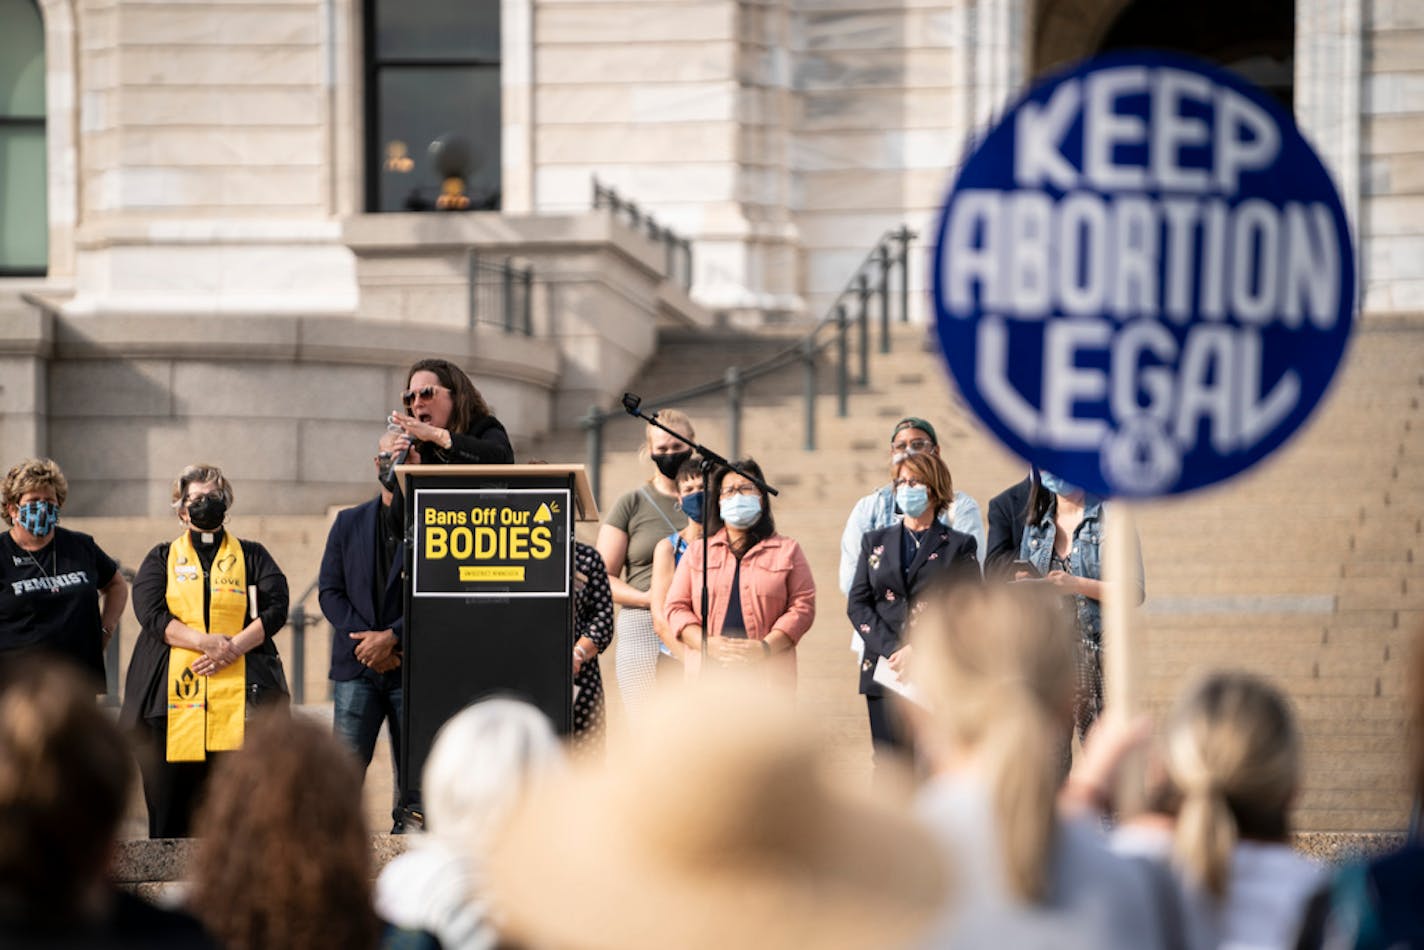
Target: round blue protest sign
point(1143, 276)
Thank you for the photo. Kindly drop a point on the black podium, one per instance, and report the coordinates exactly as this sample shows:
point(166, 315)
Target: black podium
point(489, 592)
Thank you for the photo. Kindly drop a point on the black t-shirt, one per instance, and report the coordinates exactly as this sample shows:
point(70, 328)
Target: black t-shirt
point(49, 599)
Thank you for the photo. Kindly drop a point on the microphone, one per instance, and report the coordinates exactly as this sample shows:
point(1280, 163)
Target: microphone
point(387, 476)
point(631, 403)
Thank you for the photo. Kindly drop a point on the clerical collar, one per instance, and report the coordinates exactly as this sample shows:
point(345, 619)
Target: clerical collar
point(205, 540)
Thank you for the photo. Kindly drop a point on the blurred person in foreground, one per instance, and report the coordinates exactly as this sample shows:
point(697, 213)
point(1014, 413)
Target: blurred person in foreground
point(1379, 904)
point(1219, 799)
point(485, 760)
point(283, 860)
point(209, 604)
point(59, 592)
point(761, 596)
point(65, 772)
point(996, 666)
point(718, 824)
point(897, 565)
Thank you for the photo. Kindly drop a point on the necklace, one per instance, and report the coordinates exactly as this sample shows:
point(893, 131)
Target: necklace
point(53, 566)
point(916, 536)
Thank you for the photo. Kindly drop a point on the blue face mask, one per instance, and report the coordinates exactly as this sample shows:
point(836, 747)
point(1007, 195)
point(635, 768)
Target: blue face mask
point(912, 499)
point(740, 511)
point(1058, 486)
point(38, 517)
point(691, 505)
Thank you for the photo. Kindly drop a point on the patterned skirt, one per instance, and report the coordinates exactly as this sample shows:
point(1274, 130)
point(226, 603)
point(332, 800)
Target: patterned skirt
point(636, 656)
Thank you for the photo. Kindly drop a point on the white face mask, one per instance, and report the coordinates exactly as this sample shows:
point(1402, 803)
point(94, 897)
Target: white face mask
point(740, 511)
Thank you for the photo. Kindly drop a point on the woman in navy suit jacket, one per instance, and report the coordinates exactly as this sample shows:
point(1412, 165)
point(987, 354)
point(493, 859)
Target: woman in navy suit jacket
point(896, 565)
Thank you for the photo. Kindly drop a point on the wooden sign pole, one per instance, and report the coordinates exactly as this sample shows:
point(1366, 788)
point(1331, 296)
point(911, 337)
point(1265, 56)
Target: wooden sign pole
point(1122, 653)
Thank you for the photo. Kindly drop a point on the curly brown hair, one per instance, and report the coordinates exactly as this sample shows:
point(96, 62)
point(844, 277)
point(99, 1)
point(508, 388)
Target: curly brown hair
point(470, 406)
point(31, 475)
point(284, 861)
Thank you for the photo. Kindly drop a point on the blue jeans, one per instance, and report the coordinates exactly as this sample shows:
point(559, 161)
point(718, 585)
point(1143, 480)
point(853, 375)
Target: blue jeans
point(360, 706)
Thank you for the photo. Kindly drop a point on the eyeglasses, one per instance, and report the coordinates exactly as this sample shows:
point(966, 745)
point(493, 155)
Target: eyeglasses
point(908, 483)
point(424, 392)
point(736, 490)
point(914, 445)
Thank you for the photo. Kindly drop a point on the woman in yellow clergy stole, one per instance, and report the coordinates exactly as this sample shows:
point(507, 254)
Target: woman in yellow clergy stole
point(209, 604)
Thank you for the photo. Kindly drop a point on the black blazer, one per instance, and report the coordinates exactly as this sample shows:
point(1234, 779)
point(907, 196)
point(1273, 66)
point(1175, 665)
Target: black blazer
point(347, 594)
point(880, 596)
point(1007, 512)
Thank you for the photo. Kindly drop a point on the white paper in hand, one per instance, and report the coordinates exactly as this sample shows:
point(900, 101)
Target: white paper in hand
point(887, 677)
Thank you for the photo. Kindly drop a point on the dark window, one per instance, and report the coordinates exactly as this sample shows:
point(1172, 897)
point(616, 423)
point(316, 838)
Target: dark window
point(432, 105)
point(24, 212)
point(1254, 38)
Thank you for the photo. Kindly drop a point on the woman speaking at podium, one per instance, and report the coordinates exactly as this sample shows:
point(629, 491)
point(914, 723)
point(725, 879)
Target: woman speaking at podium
point(446, 420)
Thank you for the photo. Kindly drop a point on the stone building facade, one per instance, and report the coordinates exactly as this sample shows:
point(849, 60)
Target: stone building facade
point(217, 283)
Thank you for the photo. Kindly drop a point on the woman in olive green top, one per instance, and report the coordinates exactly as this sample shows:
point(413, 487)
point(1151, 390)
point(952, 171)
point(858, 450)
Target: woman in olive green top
point(626, 540)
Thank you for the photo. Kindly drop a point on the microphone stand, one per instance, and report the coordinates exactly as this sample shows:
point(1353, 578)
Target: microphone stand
point(710, 459)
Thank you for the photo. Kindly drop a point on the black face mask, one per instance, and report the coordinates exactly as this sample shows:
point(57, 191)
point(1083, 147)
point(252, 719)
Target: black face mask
point(207, 513)
point(669, 464)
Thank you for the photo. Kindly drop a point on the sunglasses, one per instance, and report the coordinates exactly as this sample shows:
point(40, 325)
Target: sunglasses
point(424, 392)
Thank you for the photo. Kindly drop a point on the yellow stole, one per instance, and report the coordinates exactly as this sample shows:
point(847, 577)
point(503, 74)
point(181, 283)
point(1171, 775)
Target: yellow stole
point(206, 713)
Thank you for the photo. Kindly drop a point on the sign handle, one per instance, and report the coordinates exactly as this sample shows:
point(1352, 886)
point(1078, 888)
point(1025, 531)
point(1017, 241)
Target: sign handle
point(1122, 654)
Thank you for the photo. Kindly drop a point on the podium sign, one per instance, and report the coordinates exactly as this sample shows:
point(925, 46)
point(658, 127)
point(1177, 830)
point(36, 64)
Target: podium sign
point(489, 598)
point(481, 542)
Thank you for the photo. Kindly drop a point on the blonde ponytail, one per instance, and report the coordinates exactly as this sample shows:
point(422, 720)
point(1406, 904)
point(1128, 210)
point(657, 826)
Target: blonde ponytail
point(1233, 752)
point(1018, 749)
point(1206, 831)
point(998, 667)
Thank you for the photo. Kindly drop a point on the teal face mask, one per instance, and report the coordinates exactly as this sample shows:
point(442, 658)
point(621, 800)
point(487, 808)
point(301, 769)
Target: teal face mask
point(38, 517)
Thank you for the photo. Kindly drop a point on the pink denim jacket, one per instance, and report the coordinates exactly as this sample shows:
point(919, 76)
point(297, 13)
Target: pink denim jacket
point(778, 591)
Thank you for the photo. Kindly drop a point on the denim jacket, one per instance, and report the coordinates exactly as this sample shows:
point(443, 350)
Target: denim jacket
point(1084, 560)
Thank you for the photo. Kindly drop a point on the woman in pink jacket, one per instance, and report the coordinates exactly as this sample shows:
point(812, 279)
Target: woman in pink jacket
point(761, 596)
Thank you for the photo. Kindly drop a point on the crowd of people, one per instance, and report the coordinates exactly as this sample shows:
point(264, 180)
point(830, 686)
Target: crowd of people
point(722, 818)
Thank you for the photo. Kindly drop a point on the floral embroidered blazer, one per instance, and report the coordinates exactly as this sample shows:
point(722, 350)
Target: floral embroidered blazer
point(880, 598)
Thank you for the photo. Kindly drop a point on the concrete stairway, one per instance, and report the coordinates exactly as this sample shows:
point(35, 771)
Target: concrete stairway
point(1304, 570)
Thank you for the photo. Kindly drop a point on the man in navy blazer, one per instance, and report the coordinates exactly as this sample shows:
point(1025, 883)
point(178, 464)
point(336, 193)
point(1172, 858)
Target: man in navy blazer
point(365, 615)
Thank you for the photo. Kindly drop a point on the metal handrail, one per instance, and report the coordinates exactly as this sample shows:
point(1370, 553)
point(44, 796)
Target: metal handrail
point(890, 251)
point(298, 620)
point(677, 250)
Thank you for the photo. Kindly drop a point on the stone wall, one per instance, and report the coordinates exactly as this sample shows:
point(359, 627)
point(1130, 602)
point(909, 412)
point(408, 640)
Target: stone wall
point(880, 121)
point(1392, 158)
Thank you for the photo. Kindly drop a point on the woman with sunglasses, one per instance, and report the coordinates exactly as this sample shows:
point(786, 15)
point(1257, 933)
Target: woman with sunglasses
point(446, 420)
point(897, 564)
point(761, 595)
